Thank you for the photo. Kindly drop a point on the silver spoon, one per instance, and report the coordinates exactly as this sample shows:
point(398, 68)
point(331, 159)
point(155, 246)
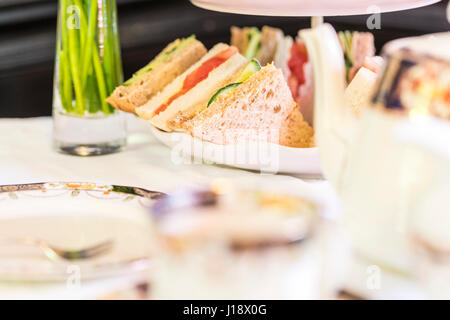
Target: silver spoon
point(55, 253)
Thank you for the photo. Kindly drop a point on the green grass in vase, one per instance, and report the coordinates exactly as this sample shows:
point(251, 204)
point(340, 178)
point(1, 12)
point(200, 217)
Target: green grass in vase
point(86, 77)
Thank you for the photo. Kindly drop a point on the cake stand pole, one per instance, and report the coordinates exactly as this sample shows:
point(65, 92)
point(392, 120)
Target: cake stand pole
point(316, 21)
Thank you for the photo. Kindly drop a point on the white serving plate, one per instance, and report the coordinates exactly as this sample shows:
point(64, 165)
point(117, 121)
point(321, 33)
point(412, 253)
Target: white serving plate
point(73, 216)
point(266, 158)
point(310, 7)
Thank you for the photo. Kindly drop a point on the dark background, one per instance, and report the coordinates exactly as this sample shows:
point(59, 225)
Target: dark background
point(27, 39)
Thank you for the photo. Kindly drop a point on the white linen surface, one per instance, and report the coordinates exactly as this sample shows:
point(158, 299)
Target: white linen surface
point(26, 156)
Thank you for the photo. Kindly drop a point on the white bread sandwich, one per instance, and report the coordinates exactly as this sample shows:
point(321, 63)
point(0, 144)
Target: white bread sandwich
point(175, 59)
point(360, 89)
point(253, 43)
point(270, 45)
point(359, 51)
point(283, 54)
point(189, 93)
point(259, 108)
point(362, 67)
point(292, 57)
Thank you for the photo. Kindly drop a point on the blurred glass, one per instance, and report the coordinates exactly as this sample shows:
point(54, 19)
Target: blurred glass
point(246, 244)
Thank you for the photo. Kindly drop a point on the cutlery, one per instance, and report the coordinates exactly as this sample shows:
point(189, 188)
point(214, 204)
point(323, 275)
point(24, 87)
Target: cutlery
point(54, 253)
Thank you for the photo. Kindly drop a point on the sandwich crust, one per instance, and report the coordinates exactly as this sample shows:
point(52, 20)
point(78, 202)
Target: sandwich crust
point(296, 132)
point(128, 98)
point(262, 108)
point(270, 39)
point(239, 38)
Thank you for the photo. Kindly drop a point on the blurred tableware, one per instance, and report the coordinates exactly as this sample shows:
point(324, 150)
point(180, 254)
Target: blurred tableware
point(429, 224)
point(54, 253)
point(376, 176)
point(258, 156)
point(229, 242)
point(87, 69)
point(75, 216)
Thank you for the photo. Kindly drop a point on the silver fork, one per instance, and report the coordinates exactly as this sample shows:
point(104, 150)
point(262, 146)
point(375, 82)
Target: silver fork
point(55, 253)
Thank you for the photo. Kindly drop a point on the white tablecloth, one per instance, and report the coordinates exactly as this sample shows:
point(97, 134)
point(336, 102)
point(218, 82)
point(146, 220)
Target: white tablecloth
point(26, 156)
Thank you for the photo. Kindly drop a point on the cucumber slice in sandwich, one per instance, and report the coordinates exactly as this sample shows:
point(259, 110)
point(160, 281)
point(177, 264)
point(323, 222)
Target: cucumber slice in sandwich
point(250, 69)
point(223, 91)
point(160, 58)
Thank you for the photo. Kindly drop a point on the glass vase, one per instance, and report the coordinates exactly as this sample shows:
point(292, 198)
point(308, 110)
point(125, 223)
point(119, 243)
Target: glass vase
point(87, 69)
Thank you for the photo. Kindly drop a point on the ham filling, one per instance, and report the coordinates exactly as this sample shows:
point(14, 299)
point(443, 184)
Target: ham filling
point(299, 56)
point(198, 75)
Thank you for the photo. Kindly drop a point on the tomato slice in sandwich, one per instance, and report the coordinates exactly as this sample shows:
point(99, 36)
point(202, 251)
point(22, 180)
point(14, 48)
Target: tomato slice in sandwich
point(299, 56)
point(198, 75)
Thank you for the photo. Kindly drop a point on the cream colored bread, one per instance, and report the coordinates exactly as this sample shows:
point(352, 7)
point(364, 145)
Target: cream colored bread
point(283, 54)
point(128, 98)
point(261, 108)
point(146, 111)
point(358, 92)
point(193, 101)
point(270, 39)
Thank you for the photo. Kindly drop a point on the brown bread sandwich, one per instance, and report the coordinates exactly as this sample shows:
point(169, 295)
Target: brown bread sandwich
point(175, 59)
point(260, 107)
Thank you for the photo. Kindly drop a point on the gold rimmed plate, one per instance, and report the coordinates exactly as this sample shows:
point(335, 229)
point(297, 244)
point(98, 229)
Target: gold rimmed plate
point(74, 216)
